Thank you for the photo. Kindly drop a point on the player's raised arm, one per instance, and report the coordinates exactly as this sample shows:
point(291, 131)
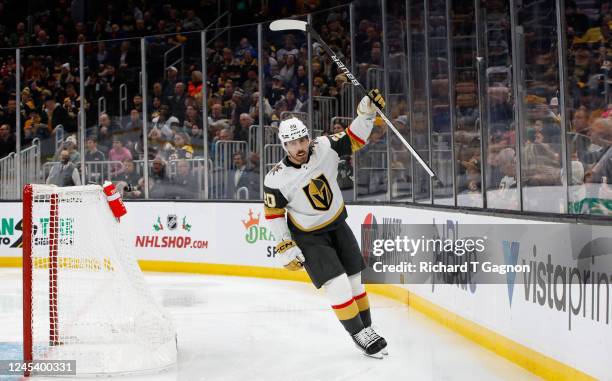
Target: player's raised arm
point(357, 134)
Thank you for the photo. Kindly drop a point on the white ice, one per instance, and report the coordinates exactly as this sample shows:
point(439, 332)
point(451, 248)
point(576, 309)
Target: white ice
point(233, 328)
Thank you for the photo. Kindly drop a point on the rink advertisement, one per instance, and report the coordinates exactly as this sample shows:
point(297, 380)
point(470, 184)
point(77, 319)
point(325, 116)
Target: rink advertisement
point(562, 299)
point(206, 232)
point(10, 229)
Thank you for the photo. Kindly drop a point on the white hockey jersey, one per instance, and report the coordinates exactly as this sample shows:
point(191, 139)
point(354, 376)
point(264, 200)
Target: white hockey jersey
point(309, 193)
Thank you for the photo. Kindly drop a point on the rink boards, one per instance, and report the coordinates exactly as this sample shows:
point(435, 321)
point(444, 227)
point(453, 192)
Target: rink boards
point(555, 331)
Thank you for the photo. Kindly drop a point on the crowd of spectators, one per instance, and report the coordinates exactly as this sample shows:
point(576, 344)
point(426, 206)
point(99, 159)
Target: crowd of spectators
point(50, 98)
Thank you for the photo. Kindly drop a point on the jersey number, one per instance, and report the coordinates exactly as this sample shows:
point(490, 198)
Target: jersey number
point(269, 200)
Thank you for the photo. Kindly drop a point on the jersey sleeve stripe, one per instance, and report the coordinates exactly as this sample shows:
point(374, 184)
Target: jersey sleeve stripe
point(356, 141)
point(272, 213)
point(273, 216)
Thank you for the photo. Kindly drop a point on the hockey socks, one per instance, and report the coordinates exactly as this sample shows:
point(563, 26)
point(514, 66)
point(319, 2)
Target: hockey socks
point(340, 295)
point(361, 298)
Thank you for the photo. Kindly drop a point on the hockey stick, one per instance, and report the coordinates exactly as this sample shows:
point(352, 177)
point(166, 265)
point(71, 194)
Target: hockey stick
point(287, 24)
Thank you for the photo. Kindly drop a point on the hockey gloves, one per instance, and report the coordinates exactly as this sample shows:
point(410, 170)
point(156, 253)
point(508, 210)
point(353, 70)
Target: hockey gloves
point(290, 255)
point(366, 106)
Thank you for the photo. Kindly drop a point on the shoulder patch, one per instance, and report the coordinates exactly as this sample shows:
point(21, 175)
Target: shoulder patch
point(275, 169)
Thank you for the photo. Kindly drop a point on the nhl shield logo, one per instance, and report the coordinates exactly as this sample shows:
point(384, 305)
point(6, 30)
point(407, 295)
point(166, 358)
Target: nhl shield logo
point(172, 221)
point(319, 193)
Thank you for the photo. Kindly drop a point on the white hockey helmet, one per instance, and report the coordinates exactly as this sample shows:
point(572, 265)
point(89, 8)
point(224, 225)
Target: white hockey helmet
point(291, 129)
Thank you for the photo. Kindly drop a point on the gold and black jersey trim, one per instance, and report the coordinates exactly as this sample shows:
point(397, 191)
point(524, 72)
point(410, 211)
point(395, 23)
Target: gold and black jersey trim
point(340, 216)
point(346, 142)
point(273, 198)
point(272, 213)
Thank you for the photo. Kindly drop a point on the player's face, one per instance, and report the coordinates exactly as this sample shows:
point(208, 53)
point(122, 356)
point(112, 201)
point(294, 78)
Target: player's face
point(298, 149)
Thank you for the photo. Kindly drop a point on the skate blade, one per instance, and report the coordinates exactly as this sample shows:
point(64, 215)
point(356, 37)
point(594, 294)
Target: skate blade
point(378, 355)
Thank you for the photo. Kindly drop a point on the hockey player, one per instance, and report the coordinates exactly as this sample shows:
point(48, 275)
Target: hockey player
point(315, 234)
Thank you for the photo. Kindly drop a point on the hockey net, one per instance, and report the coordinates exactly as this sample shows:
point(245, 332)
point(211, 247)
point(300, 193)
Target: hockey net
point(84, 296)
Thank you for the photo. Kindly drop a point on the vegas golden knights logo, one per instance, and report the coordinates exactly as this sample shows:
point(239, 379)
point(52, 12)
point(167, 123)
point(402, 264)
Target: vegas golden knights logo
point(319, 193)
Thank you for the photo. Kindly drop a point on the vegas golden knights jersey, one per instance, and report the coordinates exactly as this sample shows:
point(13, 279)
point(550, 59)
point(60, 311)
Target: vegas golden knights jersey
point(309, 193)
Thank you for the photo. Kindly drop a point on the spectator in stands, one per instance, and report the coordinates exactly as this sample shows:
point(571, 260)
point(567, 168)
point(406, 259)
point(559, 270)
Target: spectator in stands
point(302, 95)
point(137, 102)
point(164, 123)
point(64, 173)
point(55, 115)
point(301, 77)
point(196, 135)
point(9, 114)
point(192, 22)
point(244, 47)
point(70, 145)
point(289, 47)
point(119, 152)
point(177, 101)
point(127, 59)
point(288, 71)
point(247, 63)
point(158, 180)
point(194, 87)
point(159, 93)
point(241, 177)
point(241, 132)
point(601, 136)
point(254, 109)
point(156, 105)
point(7, 141)
point(276, 92)
point(238, 105)
point(92, 153)
point(216, 113)
point(250, 85)
point(226, 96)
point(293, 104)
point(192, 118)
point(182, 147)
point(129, 177)
point(106, 128)
point(134, 126)
point(185, 184)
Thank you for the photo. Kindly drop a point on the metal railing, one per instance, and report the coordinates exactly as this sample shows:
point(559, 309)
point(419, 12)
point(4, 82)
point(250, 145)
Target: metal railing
point(215, 24)
point(8, 177)
point(273, 153)
point(324, 109)
point(346, 108)
point(375, 78)
point(59, 137)
point(270, 136)
point(101, 105)
point(123, 100)
point(343, 120)
point(180, 60)
point(29, 160)
point(223, 165)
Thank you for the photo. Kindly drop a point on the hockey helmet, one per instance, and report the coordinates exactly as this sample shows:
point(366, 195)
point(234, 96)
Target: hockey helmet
point(291, 129)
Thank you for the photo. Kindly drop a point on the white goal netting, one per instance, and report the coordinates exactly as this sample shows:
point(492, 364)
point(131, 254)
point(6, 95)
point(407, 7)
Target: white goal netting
point(88, 298)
